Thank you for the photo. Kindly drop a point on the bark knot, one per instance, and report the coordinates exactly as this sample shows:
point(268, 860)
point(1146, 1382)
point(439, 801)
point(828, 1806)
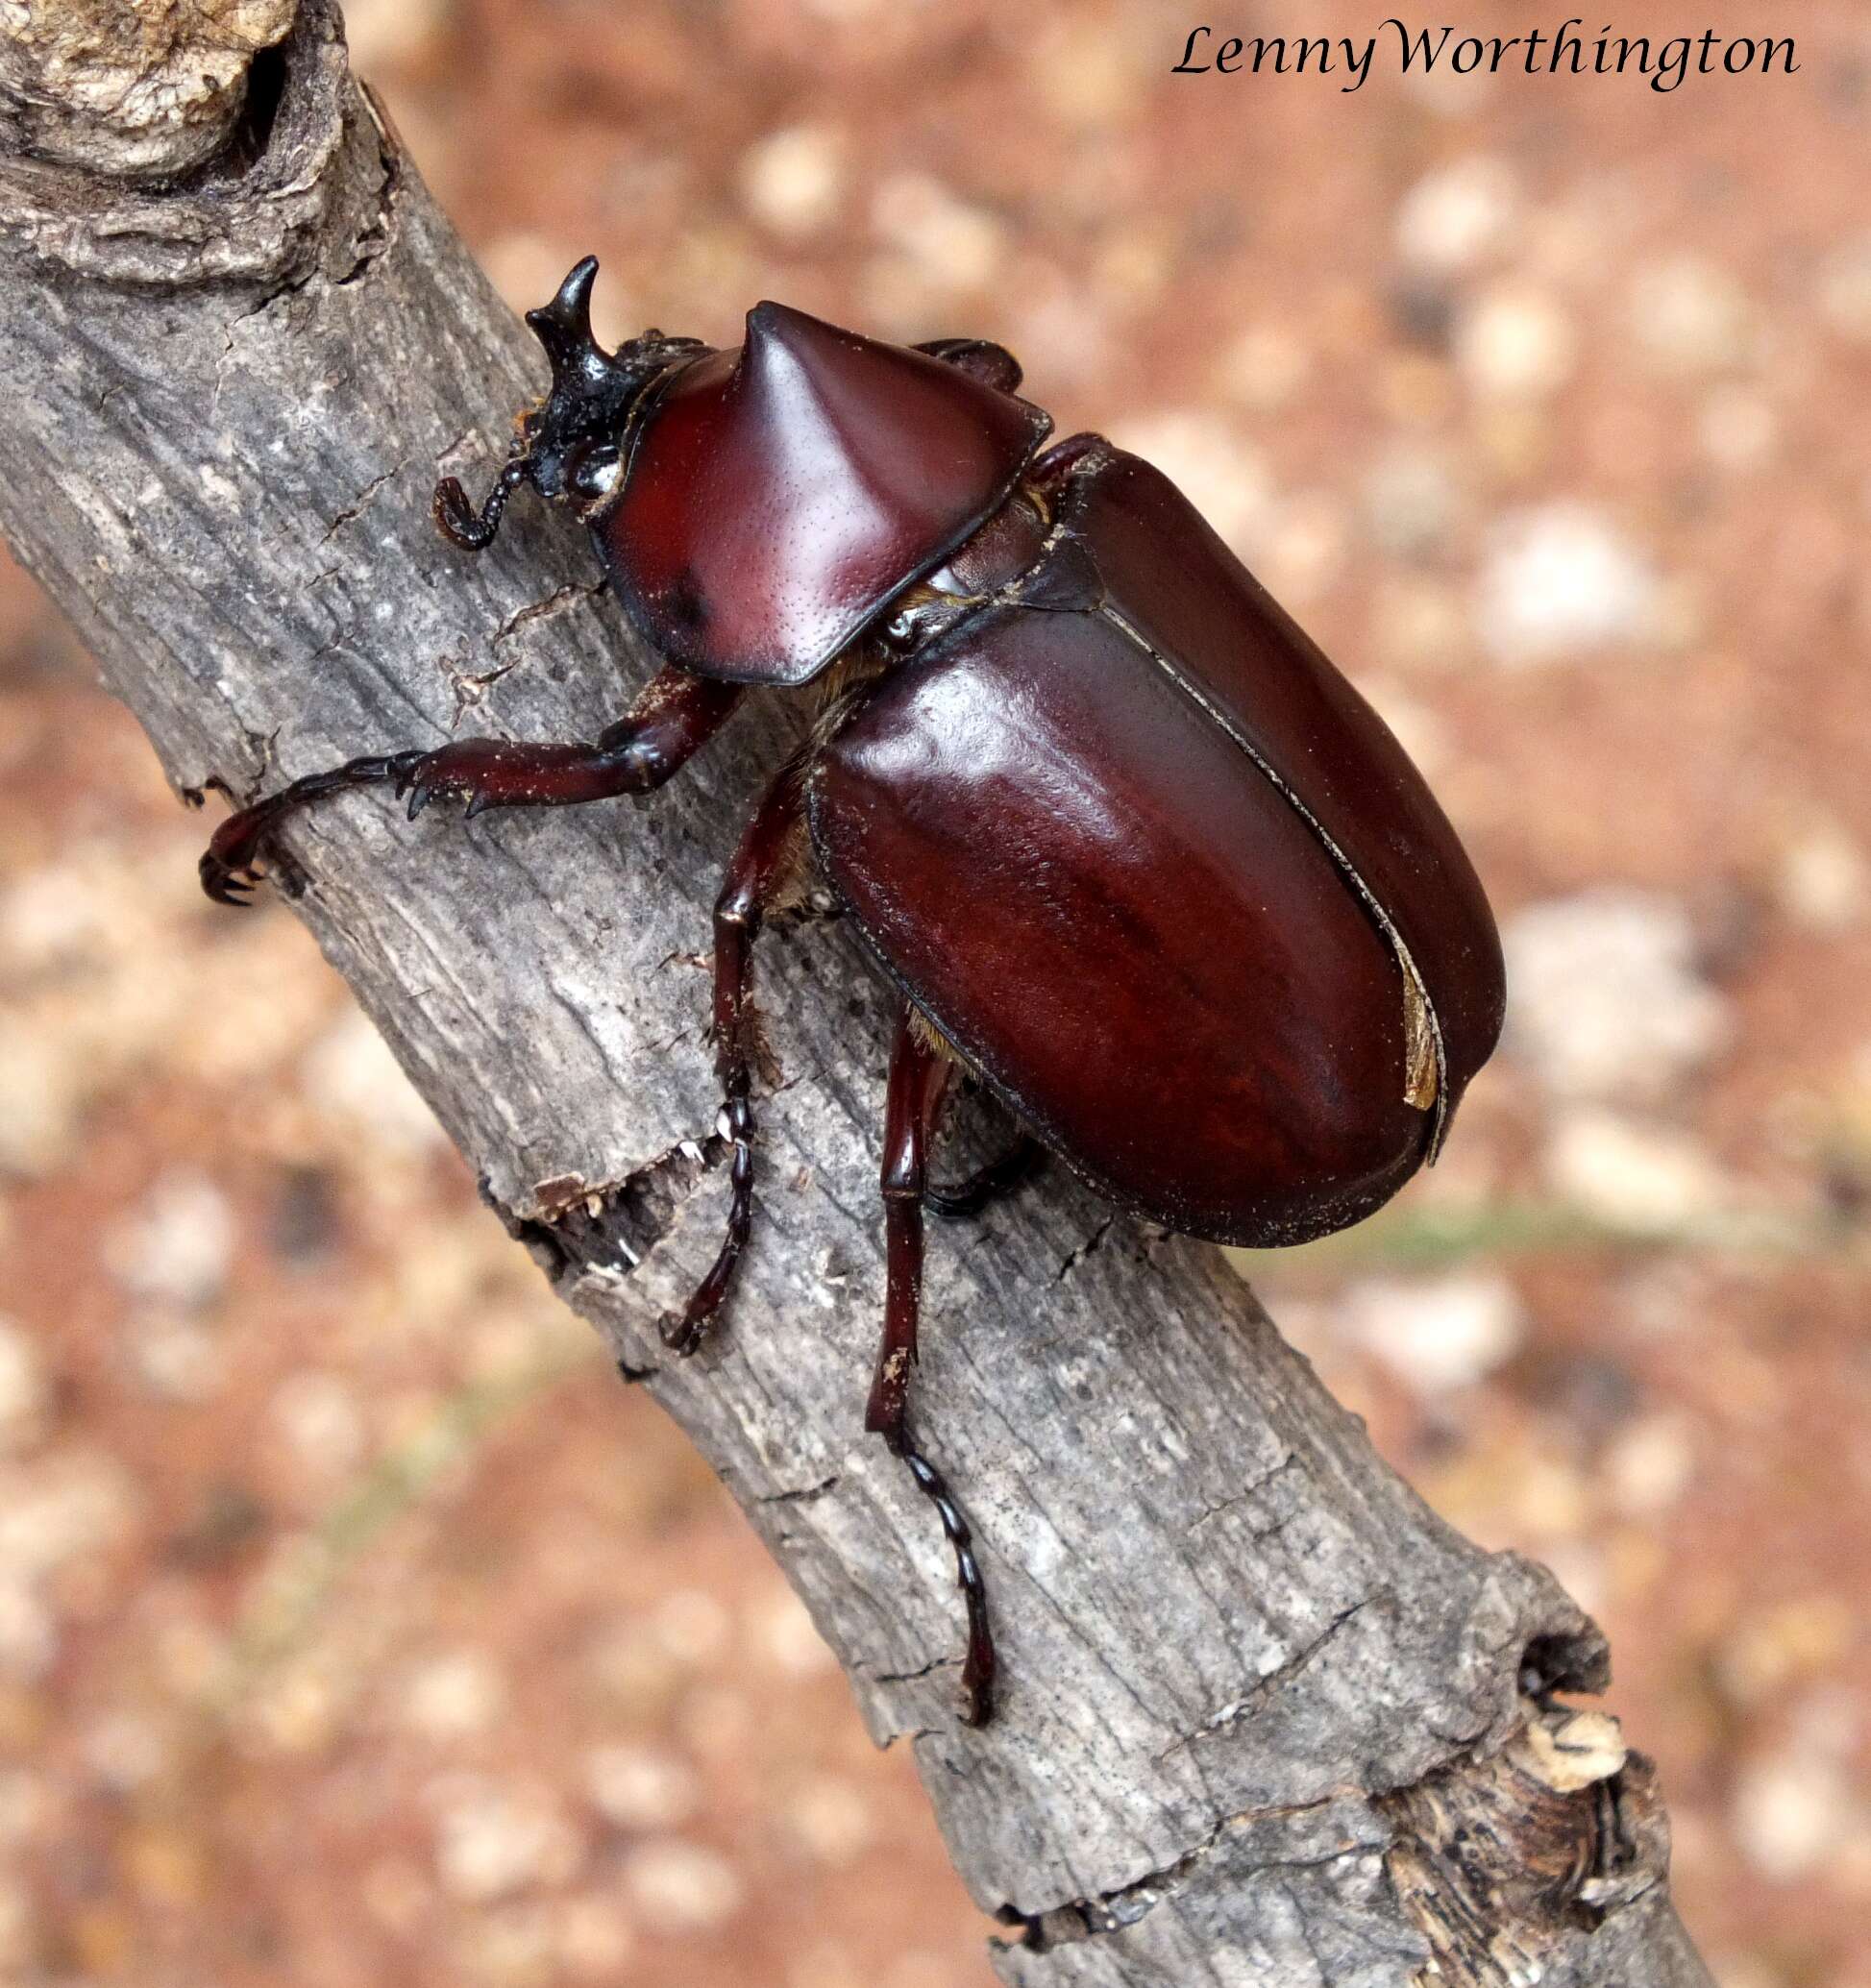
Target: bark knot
point(1505, 1861)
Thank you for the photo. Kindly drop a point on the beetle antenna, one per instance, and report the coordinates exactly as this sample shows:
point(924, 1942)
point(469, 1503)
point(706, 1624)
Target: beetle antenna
point(460, 522)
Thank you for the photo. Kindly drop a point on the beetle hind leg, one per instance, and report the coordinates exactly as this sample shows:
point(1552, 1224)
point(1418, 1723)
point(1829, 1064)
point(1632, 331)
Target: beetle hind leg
point(766, 867)
point(959, 1201)
point(920, 1076)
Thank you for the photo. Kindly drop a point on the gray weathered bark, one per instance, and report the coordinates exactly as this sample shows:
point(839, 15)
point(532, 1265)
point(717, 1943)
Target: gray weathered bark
point(1267, 1720)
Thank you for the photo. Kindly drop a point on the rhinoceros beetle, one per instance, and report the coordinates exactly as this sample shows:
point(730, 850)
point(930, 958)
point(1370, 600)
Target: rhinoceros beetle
point(1132, 853)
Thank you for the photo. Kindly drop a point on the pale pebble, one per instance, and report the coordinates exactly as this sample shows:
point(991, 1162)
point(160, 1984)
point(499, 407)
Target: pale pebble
point(396, 1894)
point(1514, 342)
point(1458, 213)
point(1791, 1810)
point(63, 1509)
point(125, 1751)
point(25, 1394)
point(381, 34)
point(1647, 1179)
point(920, 1968)
point(595, 1937)
point(526, 268)
point(1436, 1333)
point(1651, 1463)
point(1560, 580)
point(492, 1840)
point(681, 1887)
point(1688, 316)
point(351, 1069)
point(1824, 881)
point(18, 1934)
point(828, 1820)
point(1579, 1567)
point(39, 1128)
point(176, 1357)
point(23, 1807)
point(1771, 1647)
point(1418, 726)
point(1303, 548)
point(1844, 289)
point(511, 1947)
point(29, 1637)
point(792, 181)
point(641, 1787)
point(294, 1709)
point(1409, 502)
point(692, 1624)
point(176, 1247)
point(1265, 368)
point(949, 241)
point(319, 1416)
point(1607, 1002)
point(1736, 430)
point(826, 1964)
point(790, 1638)
point(452, 1695)
point(1418, 625)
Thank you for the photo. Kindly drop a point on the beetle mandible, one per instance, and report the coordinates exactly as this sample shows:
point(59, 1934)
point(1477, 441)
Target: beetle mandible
point(1130, 850)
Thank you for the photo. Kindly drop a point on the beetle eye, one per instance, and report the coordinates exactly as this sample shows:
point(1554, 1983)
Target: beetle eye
point(595, 472)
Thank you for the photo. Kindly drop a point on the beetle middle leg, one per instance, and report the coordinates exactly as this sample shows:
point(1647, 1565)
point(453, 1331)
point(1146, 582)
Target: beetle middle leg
point(675, 715)
point(766, 866)
point(920, 1076)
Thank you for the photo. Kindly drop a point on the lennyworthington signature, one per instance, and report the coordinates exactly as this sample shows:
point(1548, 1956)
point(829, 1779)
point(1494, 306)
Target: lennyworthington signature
point(1425, 50)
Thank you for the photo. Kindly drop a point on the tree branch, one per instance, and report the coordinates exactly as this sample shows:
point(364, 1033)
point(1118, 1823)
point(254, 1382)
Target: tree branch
point(1266, 1720)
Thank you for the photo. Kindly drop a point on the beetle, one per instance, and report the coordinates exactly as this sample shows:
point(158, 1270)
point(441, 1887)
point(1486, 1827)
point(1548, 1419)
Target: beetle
point(1133, 856)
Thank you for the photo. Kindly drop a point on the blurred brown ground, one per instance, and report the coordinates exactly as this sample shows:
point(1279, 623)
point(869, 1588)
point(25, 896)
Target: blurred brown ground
point(357, 1628)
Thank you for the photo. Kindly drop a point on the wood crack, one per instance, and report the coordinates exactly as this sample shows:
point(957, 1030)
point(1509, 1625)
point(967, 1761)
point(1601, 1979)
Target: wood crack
point(1111, 1912)
point(1231, 1716)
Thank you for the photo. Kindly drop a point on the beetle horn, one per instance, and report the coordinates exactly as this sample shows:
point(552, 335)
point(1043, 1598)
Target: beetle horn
point(563, 327)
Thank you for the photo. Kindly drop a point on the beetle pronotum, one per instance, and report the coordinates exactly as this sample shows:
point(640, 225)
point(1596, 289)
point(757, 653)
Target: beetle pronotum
point(1132, 852)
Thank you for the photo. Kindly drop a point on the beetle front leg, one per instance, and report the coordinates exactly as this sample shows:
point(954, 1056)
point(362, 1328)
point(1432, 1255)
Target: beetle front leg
point(230, 864)
point(980, 358)
point(918, 1085)
point(768, 861)
point(674, 716)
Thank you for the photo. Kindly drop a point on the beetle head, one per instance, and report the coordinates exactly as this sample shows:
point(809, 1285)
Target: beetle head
point(569, 447)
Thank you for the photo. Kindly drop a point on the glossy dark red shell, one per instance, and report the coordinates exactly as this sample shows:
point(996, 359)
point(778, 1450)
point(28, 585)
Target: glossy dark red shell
point(1210, 622)
point(1145, 858)
point(779, 496)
